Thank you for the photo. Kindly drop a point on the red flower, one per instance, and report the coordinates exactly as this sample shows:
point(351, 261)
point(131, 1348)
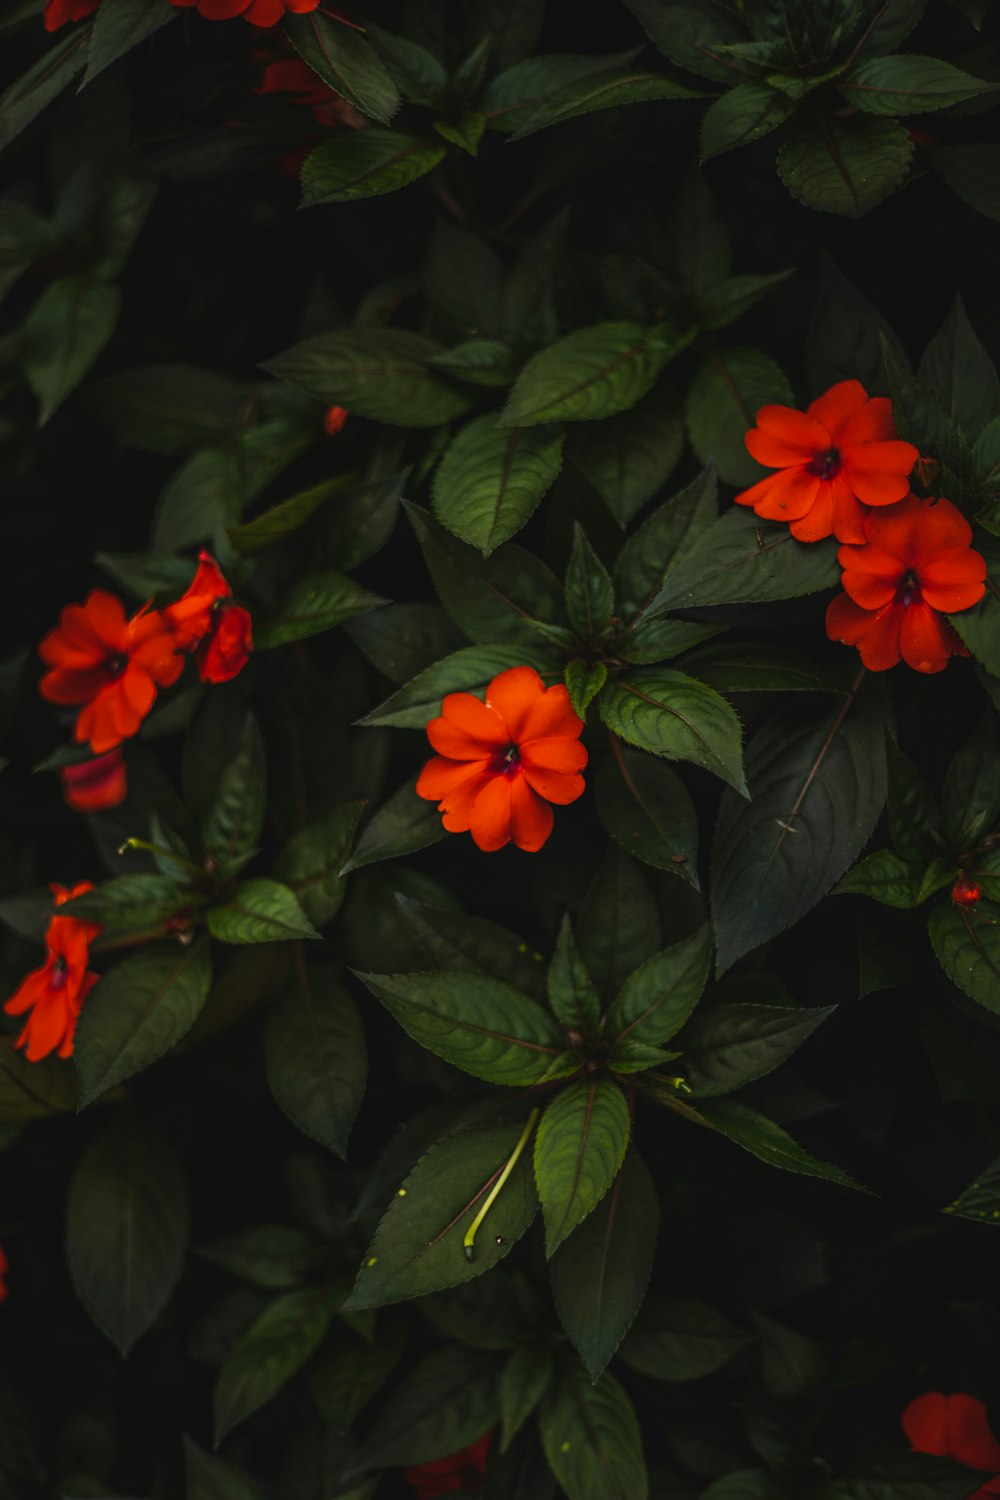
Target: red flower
point(94, 785)
point(3, 1272)
point(110, 665)
point(840, 454)
point(501, 763)
point(257, 12)
point(58, 12)
point(222, 632)
point(465, 1470)
point(334, 419)
point(954, 1427)
point(965, 892)
point(916, 567)
point(54, 994)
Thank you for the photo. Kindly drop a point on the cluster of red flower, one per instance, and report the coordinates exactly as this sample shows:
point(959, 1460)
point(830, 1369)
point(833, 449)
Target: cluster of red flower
point(842, 471)
point(955, 1427)
point(257, 12)
point(112, 666)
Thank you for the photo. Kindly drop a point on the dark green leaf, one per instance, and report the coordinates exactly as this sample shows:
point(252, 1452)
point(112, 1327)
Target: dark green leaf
point(768, 1142)
point(402, 825)
point(314, 604)
point(490, 481)
point(590, 594)
point(733, 667)
point(844, 165)
point(365, 164)
point(908, 1476)
point(727, 302)
point(43, 82)
point(374, 372)
point(973, 172)
point(884, 876)
point(402, 639)
point(139, 1011)
point(909, 85)
point(722, 401)
point(524, 1380)
point(456, 941)
point(628, 458)
point(844, 336)
point(346, 1382)
point(646, 807)
point(316, 1056)
point(272, 1350)
point(967, 943)
point(981, 1199)
point(659, 996)
point(957, 368)
point(675, 1339)
point(726, 1046)
point(469, 670)
point(346, 62)
point(170, 407)
point(792, 1365)
point(130, 903)
point(662, 540)
point(120, 25)
point(445, 1402)
point(127, 1229)
point(417, 73)
point(311, 862)
point(259, 911)
point(479, 361)
point(579, 1148)
point(603, 91)
point(618, 927)
point(592, 373)
point(272, 1256)
point(583, 683)
point(34, 1090)
point(741, 115)
point(970, 803)
point(211, 1478)
point(235, 817)
point(592, 1440)
point(62, 336)
point(517, 93)
point(572, 998)
point(673, 715)
point(286, 518)
point(698, 38)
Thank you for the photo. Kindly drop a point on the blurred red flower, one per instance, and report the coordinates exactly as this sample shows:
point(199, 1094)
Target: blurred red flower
point(257, 12)
point(916, 566)
point(58, 12)
point(94, 785)
point(501, 763)
point(109, 664)
point(954, 1427)
point(53, 995)
point(464, 1470)
point(334, 419)
point(836, 457)
point(204, 619)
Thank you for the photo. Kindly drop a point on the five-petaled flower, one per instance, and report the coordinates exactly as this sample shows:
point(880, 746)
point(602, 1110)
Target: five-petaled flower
point(838, 456)
point(954, 1427)
point(59, 12)
point(205, 620)
point(110, 665)
point(916, 566)
point(92, 786)
point(257, 12)
point(464, 1470)
point(501, 763)
point(53, 995)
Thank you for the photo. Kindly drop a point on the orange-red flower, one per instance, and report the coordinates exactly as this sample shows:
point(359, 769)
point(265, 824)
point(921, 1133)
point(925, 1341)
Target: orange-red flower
point(501, 763)
point(954, 1427)
point(966, 892)
point(464, 1470)
point(334, 418)
point(257, 12)
point(58, 12)
point(204, 619)
point(915, 567)
point(54, 994)
point(836, 457)
point(109, 664)
point(94, 785)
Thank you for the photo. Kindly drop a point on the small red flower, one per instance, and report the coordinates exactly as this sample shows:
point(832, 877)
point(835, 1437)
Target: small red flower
point(916, 566)
point(3, 1274)
point(257, 12)
point(204, 618)
point(334, 419)
point(54, 994)
point(109, 664)
point(954, 1427)
point(464, 1470)
point(965, 892)
point(501, 763)
point(58, 12)
point(95, 785)
point(836, 457)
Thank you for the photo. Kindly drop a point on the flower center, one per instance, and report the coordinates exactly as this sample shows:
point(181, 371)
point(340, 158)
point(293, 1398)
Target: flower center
point(909, 589)
point(59, 972)
point(826, 465)
point(506, 762)
point(115, 666)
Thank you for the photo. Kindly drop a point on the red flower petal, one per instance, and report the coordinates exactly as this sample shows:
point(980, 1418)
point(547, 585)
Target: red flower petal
point(926, 640)
point(784, 437)
point(837, 405)
point(784, 496)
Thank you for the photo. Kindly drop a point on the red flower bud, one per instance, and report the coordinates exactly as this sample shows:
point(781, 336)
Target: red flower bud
point(224, 651)
point(965, 892)
point(334, 419)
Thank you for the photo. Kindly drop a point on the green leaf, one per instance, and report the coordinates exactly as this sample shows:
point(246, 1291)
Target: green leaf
point(62, 336)
point(402, 825)
point(346, 1382)
point(628, 458)
point(493, 598)
point(908, 1476)
point(768, 1142)
point(272, 1256)
point(909, 85)
point(444, 1403)
point(791, 1365)
point(316, 1056)
point(494, 1315)
point(729, 386)
point(463, 277)
point(127, 1229)
point(130, 903)
point(311, 862)
point(967, 944)
point(659, 996)
point(590, 594)
point(698, 38)
point(618, 926)
point(44, 81)
point(259, 911)
point(651, 553)
point(651, 642)
point(479, 361)
point(844, 336)
point(402, 639)
point(579, 1148)
point(676, 1339)
point(521, 91)
point(375, 372)
point(361, 522)
point(490, 481)
point(235, 816)
point(726, 1046)
point(314, 604)
point(167, 408)
point(973, 172)
point(957, 368)
point(478, 1024)
point(733, 667)
point(573, 999)
point(139, 1011)
point(592, 1440)
point(346, 62)
point(467, 134)
point(600, 91)
point(885, 876)
point(844, 166)
point(284, 519)
point(583, 683)
point(979, 627)
point(818, 784)
point(673, 715)
point(34, 1090)
point(741, 115)
point(120, 25)
point(731, 299)
point(646, 807)
point(418, 1246)
point(454, 940)
point(981, 1199)
point(591, 374)
point(273, 1349)
point(524, 1379)
point(600, 1273)
point(211, 1478)
point(970, 802)
point(365, 164)
point(417, 73)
